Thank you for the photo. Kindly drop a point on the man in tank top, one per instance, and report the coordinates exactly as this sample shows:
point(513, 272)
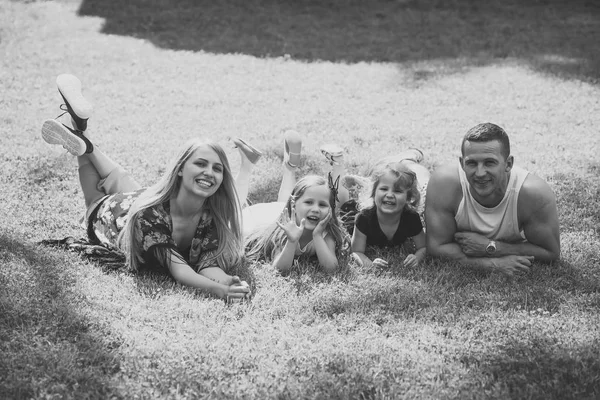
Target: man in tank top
point(487, 213)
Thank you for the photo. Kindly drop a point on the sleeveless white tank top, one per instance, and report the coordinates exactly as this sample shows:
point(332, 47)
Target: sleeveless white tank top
point(496, 223)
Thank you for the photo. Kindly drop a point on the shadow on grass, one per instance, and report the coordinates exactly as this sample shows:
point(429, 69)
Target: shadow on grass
point(537, 368)
point(552, 36)
point(442, 292)
point(48, 349)
point(578, 201)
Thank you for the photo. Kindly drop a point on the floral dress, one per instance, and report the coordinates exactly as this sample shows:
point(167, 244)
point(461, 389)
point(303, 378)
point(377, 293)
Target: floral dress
point(155, 228)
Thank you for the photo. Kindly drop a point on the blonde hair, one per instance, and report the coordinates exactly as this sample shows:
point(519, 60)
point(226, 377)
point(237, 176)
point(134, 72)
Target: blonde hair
point(263, 244)
point(405, 179)
point(223, 205)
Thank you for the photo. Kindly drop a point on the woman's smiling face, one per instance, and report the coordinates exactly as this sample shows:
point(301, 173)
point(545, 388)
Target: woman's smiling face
point(202, 173)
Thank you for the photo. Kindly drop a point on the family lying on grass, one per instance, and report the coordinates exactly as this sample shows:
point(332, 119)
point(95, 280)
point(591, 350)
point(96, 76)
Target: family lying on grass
point(196, 225)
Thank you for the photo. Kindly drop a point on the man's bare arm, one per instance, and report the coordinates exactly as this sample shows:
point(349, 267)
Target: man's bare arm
point(443, 196)
point(538, 212)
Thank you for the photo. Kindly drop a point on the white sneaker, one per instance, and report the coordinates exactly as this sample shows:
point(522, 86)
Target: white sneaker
point(74, 142)
point(332, 152)
point(69, 87)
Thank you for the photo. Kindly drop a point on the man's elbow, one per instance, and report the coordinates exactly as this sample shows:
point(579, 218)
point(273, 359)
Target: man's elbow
point(434, 250)
point(553, 255)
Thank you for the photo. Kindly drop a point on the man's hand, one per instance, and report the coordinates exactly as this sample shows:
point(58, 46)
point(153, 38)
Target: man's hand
point(472, 244)
point(511, 265)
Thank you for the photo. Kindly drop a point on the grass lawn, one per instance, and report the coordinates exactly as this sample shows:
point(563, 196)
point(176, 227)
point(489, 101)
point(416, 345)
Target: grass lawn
point(374, 76)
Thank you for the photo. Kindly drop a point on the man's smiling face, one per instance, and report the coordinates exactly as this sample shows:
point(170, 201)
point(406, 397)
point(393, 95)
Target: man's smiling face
point(487, 170)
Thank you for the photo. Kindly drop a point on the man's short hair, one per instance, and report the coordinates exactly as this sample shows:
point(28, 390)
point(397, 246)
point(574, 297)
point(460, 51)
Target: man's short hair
point(487, 132)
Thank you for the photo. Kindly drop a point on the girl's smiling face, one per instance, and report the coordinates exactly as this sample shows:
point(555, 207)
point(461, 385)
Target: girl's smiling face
point(390, 197)
point(202, 173)
point(313, 206)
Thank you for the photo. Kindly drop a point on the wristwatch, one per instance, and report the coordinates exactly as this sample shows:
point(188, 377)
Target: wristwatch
point(491, 248)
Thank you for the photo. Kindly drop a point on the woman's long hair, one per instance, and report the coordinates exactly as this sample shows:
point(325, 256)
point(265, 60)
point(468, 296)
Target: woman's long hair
point(406, 179)
point(262, 244)
point(223, 206)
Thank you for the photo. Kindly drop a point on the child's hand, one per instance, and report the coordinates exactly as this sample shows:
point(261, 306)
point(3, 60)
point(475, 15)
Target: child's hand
point(379, 262)
point(411, 261)
point(320, 228)
point(292, 231)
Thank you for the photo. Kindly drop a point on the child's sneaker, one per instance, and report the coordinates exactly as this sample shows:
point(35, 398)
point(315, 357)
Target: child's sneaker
point(249, 151)
point(292, 148)
point(413, 154)
point(69, 87)
point(333, 153)
point(73, 141)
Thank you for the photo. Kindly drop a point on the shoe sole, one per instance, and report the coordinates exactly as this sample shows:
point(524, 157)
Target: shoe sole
point(331, 151)
point(54, 132)
point(251, 152)
point(69, 87)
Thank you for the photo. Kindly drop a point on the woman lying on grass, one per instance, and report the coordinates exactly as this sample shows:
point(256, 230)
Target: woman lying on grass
point(302, 223)
point(187, 224)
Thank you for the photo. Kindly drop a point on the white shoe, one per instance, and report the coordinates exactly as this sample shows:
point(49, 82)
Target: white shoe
point(74, 142)
point(69, 87)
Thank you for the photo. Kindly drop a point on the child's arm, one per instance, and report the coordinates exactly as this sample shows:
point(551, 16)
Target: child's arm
point(359, 244)
point(325, 249)
point(413, 260)
point(284, 260)
point(325, 246)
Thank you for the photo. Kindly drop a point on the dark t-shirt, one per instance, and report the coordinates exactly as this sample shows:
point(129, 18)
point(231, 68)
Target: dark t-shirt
point(366, 222)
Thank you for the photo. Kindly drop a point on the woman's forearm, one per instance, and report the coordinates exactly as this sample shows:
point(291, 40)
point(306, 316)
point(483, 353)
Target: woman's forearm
point(186, 276)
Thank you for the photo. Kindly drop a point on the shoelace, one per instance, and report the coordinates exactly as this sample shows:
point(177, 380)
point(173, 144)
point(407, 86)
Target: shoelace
point(65, 110)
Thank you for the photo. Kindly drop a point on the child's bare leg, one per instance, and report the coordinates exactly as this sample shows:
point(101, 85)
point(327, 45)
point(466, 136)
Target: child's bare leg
point(335, 155)
point(288, 181)
point(249, 156)
point(291, 161)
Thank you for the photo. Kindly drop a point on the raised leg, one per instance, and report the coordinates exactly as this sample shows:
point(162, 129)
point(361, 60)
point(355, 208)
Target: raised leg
point(250, 156)
point(99, 175)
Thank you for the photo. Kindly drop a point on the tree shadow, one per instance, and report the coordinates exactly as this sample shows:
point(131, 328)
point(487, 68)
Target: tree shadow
point(536, 367)
point(47, 347)
point(551, 36)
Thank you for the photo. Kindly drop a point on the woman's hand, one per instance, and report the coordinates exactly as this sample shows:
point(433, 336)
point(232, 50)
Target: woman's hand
point(320, 228)
point(237, 291)
point(292, 231)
